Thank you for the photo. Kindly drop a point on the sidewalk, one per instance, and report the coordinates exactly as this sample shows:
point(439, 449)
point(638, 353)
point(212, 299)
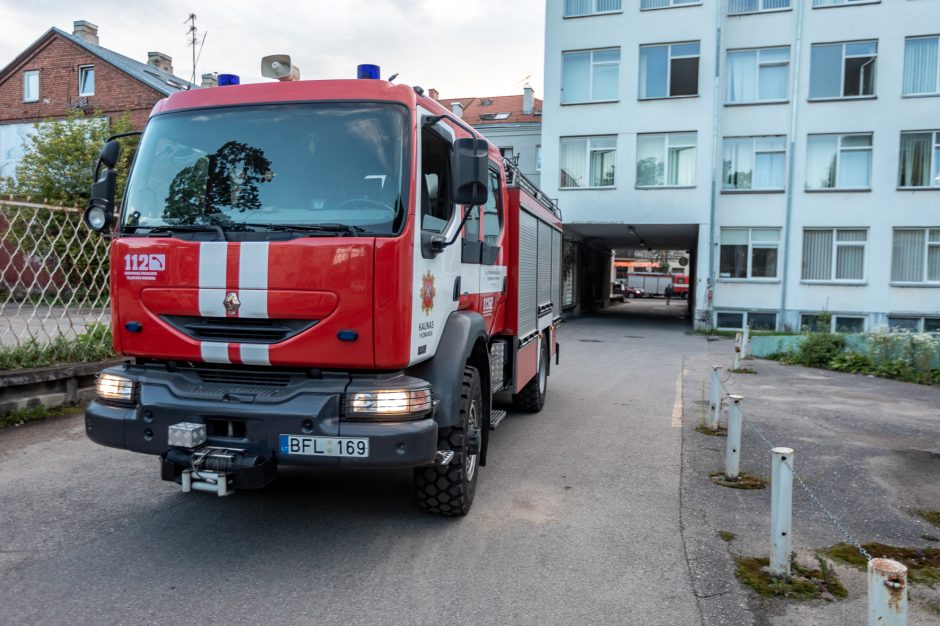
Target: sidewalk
point(868, 447)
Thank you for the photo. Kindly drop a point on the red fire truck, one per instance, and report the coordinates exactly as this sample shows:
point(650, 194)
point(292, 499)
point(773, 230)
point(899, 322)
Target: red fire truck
point(322, 273)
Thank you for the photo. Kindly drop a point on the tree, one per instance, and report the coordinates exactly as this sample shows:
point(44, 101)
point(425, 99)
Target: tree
point(60, 156)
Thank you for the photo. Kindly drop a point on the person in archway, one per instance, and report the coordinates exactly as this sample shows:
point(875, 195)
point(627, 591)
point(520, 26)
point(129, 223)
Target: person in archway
point(669, 292)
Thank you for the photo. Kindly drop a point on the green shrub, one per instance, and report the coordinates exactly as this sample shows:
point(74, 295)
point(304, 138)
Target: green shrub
point(819, 349)
point(92, 345)
point(852, 362)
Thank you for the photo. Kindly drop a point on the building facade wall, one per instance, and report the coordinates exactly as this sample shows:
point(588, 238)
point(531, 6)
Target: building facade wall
point(524, 139)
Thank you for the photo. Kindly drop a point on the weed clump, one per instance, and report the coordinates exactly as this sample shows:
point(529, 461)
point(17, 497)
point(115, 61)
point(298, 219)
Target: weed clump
point(923, 564)
point(804, 584)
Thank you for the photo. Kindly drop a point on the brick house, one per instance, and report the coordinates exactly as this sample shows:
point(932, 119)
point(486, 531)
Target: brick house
point(61, 71)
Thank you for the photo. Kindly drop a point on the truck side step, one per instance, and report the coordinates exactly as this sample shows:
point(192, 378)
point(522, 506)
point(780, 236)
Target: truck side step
point(496, 418)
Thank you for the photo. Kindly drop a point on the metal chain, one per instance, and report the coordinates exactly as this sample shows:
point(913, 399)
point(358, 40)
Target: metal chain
point(812, 496)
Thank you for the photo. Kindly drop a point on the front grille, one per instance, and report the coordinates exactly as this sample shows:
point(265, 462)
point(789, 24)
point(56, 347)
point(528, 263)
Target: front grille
point(240, 376)
point(237, 329)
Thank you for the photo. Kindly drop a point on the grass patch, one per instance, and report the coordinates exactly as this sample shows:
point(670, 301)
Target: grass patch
point(932, 517)
point(92, 345)
point(705, 430)
point(804, 584)
point(744, 481)
point(21, 416)
point(727, 535)
point(923, 564)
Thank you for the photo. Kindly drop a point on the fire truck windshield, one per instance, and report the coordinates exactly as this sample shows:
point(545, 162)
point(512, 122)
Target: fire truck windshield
point(278, 165)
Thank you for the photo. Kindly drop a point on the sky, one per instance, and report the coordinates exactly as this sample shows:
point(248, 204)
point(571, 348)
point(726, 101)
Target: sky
point(460, 47)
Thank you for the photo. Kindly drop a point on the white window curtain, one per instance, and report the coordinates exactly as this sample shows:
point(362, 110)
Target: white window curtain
point(850, 254)
point(682, 166)
point(605, 67)
point(575, 77)
point(933, 255)
point(603, 154)
point(650, 161)
point(914, 163)
point(573, 162)
point(742, 76)
point(608, 5)
point(577, 7)
point(817, 254)
point(920, 65)
point(743, 6)
point(738, 164)
point(907, 256)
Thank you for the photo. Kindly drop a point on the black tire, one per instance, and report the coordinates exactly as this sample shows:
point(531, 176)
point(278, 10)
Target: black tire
point(532, 396)
point(448, 490)
point(630, 295)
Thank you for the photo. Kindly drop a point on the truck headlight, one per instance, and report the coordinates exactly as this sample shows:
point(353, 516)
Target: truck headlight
point(390, 402)
point(115, 388)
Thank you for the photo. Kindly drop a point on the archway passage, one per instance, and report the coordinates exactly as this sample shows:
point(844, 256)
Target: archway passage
point(613, 257)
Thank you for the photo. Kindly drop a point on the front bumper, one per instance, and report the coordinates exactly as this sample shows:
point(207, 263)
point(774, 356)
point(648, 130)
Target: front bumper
point(251, 417)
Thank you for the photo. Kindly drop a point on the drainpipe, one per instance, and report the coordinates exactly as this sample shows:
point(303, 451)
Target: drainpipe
point(791, 155)
point(716, 167)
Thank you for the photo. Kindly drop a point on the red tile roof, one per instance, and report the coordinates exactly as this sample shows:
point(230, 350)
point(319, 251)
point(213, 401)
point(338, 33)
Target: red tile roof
point(482, 111)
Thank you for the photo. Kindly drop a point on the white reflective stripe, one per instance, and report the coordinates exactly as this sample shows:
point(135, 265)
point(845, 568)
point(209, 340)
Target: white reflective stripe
point(212, 302)
point(253, 265)
point(254, 303)
point(254, 354)
point(212, 261)
point(214, 352)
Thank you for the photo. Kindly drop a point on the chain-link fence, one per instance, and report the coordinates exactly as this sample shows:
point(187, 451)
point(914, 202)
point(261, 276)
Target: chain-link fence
point(54, 299)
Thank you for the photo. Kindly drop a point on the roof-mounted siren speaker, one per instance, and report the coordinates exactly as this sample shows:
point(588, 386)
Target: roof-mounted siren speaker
point(279, 66)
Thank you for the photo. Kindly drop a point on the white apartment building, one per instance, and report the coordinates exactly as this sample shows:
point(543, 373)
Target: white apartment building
point(792, 146)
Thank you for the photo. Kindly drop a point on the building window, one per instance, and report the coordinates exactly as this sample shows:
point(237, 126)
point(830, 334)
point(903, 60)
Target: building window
point(920, 159)
point(914, 324)
point(758, 75)
point(665, 160)
point(737, 7)
point(669, 70)
point(538, 158)
point(587, 161)
point(506, 152)
point(577, 8)
point(665, 4)
point(732, 321)
point(31, 86)
point(86, 80)
point(838, 161)
point(848, 323)
point(837, 323)
point(757, 320)
point(915, 257)
point(921, 66)
point(831, 254)
point(843, 70)
point(829, 3)
point(590, 76)
point(754, 163)
point(749, 253)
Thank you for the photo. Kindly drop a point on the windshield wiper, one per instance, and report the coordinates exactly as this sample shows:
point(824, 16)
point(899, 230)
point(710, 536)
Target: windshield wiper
point(180, 228)
point(347, 229)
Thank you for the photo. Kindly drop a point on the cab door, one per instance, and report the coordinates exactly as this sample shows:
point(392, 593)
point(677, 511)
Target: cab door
point(492, 254)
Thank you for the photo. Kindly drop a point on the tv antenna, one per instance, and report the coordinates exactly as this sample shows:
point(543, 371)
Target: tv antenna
point(193, 36)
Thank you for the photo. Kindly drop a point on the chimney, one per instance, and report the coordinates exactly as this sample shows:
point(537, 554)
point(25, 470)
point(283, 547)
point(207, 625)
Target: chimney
point(528, 100)
point(210, 80)
point(160, 61)
point(456, 108)
point(85, 30)
point(432, 93)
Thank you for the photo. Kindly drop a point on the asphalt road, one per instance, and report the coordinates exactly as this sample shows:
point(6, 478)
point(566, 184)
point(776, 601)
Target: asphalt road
point(576, 518)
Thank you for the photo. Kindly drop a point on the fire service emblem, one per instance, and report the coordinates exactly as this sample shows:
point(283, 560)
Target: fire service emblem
point(231, 303)
point(427, 292)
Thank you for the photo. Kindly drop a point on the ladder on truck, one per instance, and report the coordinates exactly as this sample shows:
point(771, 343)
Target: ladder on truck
point(515, 178)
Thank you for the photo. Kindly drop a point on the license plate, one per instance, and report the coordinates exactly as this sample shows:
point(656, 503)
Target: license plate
point(325, 446)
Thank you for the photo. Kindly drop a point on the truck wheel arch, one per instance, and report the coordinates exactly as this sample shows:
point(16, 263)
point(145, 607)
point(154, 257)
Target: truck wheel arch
point(464, 341)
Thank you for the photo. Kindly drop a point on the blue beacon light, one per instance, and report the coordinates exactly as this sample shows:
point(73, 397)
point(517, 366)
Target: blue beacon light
point(229, 79)
point(367, 70)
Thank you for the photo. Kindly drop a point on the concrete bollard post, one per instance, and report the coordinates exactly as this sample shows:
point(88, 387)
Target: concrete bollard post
point(781, 511)
point(714, 404)
point(738, 337)
point(887, 593)
point(746, 343)
point(733, 449)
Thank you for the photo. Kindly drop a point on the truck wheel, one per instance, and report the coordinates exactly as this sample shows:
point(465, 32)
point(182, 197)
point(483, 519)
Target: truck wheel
point(532, 396)
point(448, 490)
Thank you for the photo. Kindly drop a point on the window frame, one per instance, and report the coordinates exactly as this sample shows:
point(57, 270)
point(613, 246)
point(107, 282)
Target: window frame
point(27, 74)
point(591, 66)
point(673, 4)
point(789, 7)
point(921, 322)
point(833, 325)
point(593, 12)
point(922, 94)
point(928, 244)
point(761, 244)
point(834, 256)
point(843, 3)
point(587, 153)
point(745, 318)
point(669, 59)
point(844, 56)
point(757, 67)
point(666, 146)
point(82, 71)
point(839, 149)
point(754, 152)
point(932, 163)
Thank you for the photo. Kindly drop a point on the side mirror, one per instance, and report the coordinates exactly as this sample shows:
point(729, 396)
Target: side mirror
point(470, 171)
point(100, 211)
